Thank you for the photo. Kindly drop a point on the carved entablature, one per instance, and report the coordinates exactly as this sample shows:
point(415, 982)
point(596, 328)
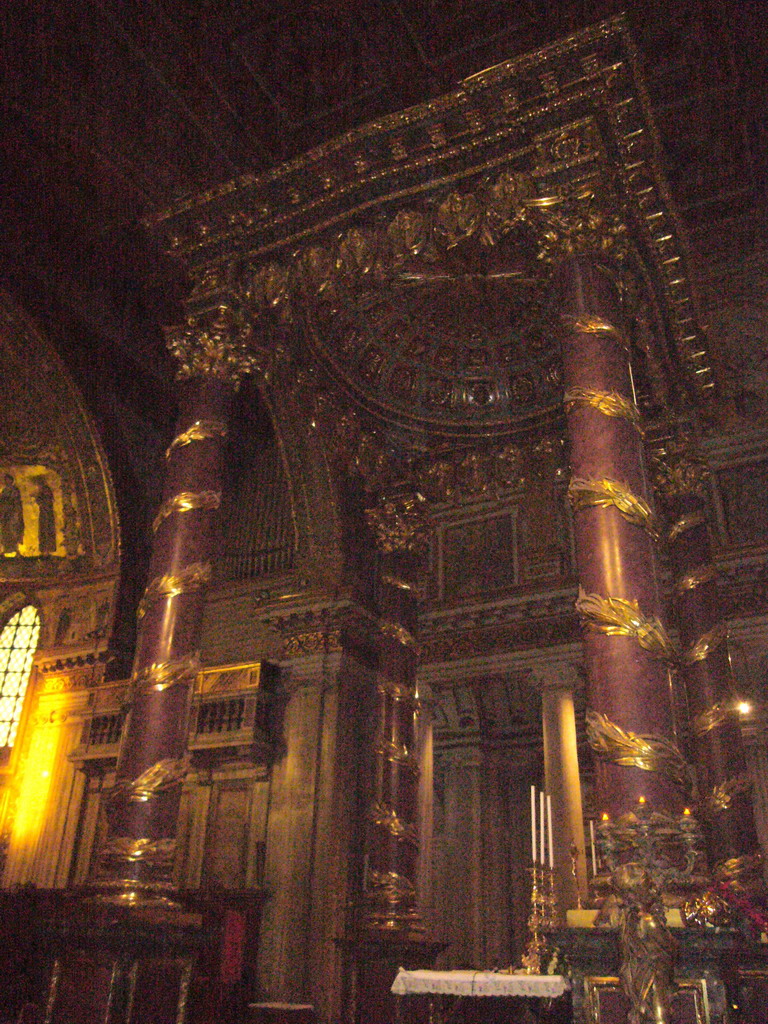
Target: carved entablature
point(412, 255)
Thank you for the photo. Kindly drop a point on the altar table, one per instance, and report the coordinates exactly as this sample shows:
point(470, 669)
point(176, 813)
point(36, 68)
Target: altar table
point(471, 984)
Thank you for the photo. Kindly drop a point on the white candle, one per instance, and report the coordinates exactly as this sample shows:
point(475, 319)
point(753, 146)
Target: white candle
point(549, 830)
point(533, 824)
point(592, 842)
point(542, 846)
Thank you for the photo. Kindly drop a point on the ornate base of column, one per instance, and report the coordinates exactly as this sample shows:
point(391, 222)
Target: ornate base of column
point(721, 977)
point(99, 962)
point(372, 964)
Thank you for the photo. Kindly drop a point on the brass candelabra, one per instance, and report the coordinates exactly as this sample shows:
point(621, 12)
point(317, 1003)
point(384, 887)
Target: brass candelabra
point(542, 919)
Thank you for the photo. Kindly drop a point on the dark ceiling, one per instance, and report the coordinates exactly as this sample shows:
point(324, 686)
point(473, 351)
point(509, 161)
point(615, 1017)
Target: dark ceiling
point(112, 107)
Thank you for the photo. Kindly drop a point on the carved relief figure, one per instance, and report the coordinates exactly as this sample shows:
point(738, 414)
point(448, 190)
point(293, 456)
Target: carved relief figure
point(46, 523)
point(11, 516)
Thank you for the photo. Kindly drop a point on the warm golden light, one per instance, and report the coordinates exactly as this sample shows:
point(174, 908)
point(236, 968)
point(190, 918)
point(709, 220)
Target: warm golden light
point(604, 816)
point(34, 793)
point(744, 707)
point(641, 799)
point(687, 811)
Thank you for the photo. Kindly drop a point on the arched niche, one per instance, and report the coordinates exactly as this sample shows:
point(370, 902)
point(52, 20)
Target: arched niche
point(59, 530)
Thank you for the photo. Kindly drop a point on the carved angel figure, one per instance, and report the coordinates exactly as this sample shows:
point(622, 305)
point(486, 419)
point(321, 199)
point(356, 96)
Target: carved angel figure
point(647, 946)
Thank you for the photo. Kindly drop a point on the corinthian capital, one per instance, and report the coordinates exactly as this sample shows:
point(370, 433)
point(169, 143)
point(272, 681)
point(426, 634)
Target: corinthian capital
point(213, 344)
point(399, 524)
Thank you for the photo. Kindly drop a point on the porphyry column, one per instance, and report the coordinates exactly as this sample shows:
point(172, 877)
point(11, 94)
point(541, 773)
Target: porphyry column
point(137, 857)
point(391, 835)
point(723, 777)
point(627, 651)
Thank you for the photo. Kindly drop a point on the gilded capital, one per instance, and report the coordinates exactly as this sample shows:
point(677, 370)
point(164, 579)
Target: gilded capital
point(679, 474)
point(399, 524)
point(215, 344)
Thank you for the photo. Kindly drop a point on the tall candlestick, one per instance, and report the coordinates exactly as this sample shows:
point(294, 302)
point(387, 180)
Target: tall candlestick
point(592, 843)
point(549, 831)
point(533, 824)
point(543, 846)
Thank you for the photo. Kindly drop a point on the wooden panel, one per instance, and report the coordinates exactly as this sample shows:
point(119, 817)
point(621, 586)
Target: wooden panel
point(226, 845)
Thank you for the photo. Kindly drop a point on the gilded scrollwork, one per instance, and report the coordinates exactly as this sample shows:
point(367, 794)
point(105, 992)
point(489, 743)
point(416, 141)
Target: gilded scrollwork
point(121, 850)
point(200, 430)
point(678, 474)
point(584, 494)
point(684, 523)
point(399, 524)
point(383, 816)
point(722, 795)
point(157, 778)
point(186, 501)
point(744, 870)
point(395, 631)
point(696, 578)
point(163, 675)
point(609, 403)
point(622, 747)
point(616, 617)
point(217, 345)
point(192, 577)
point(712, 718)
point(587, 323)
point(706, 643)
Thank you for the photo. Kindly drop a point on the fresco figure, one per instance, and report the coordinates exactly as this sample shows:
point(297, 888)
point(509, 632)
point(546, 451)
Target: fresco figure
point(46, 524)
point(11, 516)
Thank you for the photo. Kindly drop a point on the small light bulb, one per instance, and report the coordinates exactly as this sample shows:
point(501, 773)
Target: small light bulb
point(744, 707)
point(604, 816)
point(687, 812)
point(641, 799)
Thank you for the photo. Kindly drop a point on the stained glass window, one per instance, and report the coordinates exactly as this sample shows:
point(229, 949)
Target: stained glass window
point(18, 643)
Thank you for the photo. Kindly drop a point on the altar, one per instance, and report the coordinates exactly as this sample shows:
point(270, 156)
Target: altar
point(486, 996)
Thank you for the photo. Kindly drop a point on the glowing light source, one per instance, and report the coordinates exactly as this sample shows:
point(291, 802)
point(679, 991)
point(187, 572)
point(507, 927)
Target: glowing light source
point(604, 816)
point(687, 812)
point(641, 799)
point(744, 707)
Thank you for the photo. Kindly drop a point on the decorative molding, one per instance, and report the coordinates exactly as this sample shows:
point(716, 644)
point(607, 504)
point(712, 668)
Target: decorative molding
point(189, 579)
point(187, 501)
point(200, 430)
point(617, 617)
point(584, 494)
point(650, 753)
point(609, 403)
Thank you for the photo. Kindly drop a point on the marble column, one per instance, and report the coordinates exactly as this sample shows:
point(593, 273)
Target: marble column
point(391, 852)
point(136, 860)
point(627, 650)
point(723, 777)
point(563, 783)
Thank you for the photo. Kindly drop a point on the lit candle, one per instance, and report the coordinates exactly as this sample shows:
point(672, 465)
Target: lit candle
point(592, 842)
point(542, 846)
point(549, 830)
point(533, 824)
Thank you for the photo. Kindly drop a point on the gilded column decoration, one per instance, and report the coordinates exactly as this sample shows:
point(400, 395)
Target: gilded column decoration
point(392, 839)
point(723, 780)
point(628, 650)
point(136, 860)
point(642, 778)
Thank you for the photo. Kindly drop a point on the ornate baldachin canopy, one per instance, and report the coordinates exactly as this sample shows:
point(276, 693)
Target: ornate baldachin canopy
point(407, 262)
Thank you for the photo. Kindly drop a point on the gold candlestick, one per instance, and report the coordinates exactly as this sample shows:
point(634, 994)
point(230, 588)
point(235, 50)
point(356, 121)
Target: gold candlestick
point(536, 951)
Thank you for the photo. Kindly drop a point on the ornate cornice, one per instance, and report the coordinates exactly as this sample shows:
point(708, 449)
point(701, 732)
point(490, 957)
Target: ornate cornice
point(548, 154)
point(215, 344)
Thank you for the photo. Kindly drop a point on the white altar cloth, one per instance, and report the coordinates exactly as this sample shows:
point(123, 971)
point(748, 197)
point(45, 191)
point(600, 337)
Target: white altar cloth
point(479, 983)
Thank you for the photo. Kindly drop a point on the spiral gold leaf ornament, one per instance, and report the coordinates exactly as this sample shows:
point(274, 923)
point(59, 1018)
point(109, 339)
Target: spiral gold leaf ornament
point(610, 403)
point(584, 494)
point(631, 750)
point(684, 523)
point(192, 577)
point(712, 718)
point(187, 501)
point(706, 643)
point(695, 578)
point(588, 324)
point(616, 617)
point(163, 675)
point(395, 631)
point(158, 778)
point(387, 818)
point(158, 853)
point(739, 869)
point(200, 430)
point(722, 795)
